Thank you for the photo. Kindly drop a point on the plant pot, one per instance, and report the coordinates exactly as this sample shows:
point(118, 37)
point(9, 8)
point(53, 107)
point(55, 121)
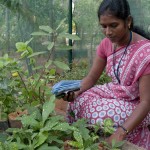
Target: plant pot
point(12, 118)
point(4, 125)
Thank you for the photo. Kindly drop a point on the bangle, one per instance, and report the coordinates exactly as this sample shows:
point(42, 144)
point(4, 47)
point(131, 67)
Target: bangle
point(124, 129)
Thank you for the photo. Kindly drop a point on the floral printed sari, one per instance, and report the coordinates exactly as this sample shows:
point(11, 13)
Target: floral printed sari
point(114, 100)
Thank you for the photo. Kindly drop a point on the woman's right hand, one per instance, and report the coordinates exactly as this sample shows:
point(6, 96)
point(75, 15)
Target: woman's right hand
point(71, 95)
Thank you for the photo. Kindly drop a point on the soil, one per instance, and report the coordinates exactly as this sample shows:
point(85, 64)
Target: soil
point(61, 107)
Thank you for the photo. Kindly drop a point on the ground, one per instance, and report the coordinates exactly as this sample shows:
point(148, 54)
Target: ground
point(61, 107)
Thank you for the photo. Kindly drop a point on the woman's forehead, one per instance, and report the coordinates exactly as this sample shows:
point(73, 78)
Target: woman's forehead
point(108, 18)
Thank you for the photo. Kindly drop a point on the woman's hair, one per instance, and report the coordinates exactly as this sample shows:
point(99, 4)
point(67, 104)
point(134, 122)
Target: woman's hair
point(120, 9)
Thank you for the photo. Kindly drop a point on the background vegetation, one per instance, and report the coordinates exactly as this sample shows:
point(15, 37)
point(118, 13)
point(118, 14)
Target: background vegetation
point(19, 18)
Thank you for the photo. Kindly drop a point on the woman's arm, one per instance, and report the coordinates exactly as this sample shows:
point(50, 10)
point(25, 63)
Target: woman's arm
point(139, 113)
point(89, 81)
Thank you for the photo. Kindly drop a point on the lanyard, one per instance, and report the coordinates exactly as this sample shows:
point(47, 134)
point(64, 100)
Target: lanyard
point(116, 72)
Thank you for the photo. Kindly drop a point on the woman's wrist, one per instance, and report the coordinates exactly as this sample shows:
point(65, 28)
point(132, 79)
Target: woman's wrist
point(124, 129)
point(121, 133)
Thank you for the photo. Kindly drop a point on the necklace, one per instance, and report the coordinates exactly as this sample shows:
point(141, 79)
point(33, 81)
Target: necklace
point(116, 72)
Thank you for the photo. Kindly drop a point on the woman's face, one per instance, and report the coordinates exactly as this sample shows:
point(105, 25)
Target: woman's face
point(115, 29)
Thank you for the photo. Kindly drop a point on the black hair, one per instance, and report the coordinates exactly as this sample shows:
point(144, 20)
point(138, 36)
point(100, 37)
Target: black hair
point(120, 9)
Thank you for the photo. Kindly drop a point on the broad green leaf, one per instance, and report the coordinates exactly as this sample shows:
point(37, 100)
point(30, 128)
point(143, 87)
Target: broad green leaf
point(30, 120)
point(50, 45)
point(49, 125)
point(37, 53)
point(21, 46)
point(41, 137)
point(46, 147)
point(64, 47)
point(61, 127)
point(74, 144)
point(54, 138)
point(61, 65)
point(46, 29)
point(84, 132)
point(48, 107)
point(73, 128)
point(108, 122)
point(69, 36)
point(39, 33)
point(13, 146)
point(78, 137)
point(48, 63)
point(21, 146)
point(52, 72)
point(109, 130)
point(57, 118)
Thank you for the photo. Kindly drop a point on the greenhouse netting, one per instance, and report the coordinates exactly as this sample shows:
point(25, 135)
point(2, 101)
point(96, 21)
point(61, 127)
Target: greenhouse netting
point(24, 20)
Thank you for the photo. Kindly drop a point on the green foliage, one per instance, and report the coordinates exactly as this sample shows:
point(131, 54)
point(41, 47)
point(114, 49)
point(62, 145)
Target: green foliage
point(78, 72)
point(9, 85)
point(36, 87)
point(18, 86)
point(114, 145)
point(43, 129)
point(108, 126)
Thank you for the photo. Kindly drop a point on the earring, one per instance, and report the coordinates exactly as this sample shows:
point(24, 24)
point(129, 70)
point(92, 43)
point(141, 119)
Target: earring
point(129, 26)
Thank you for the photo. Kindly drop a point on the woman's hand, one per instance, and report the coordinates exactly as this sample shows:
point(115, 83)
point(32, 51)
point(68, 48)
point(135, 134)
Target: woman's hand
point(118, 136)
point(71, 95)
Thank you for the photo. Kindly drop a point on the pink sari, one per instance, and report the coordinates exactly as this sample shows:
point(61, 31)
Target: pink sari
point(118, 101)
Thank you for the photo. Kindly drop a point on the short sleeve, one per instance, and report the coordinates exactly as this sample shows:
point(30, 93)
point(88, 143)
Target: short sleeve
point(104, 48)
point(147, 70)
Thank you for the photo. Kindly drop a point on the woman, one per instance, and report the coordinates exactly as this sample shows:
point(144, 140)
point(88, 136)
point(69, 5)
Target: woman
point(125, 52)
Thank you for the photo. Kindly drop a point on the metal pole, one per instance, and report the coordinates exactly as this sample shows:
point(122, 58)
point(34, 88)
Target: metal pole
point(70, 31)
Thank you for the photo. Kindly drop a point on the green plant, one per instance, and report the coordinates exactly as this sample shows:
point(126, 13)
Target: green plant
point(36, 87)
point(9, 85)
point(114, 145)
point(43, 129)
point(79, 71)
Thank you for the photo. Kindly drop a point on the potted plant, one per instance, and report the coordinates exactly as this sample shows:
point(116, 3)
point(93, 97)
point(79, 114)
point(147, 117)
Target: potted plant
point(9, 87)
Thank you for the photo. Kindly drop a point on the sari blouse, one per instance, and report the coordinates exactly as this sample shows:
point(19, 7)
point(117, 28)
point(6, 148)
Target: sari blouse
point(134, 64)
